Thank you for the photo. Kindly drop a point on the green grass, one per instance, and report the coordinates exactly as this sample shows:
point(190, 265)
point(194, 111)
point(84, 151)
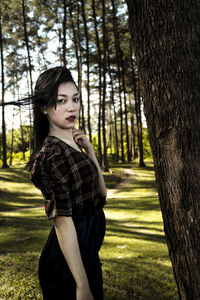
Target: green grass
point(134, 254)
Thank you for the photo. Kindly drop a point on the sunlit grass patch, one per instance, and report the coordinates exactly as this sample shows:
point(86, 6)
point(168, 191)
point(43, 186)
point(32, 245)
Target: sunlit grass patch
point(135, 258)
point(16, 190)
point(18, 276)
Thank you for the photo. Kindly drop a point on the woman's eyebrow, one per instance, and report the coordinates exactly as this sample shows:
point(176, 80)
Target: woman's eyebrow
point(63, 95)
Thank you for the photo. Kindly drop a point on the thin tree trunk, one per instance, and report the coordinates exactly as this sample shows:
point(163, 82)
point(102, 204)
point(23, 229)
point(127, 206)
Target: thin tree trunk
point(137, 110)
point(5, 165)
point(80, 66)
point(100, 81)
point(110, 128)
point(105, 160)
point(59, 30)
point(132, 144)
point(29, 65)
point(22, 134)
point(122, 74)
point(125, 103)
point(167, 44)
point(64, 32)
point(139, 129)
point(117, 46)
point(27, 45)
point(88, 67)
point(12, 138)
point(114, 110)
point(76, 40)
point(132, 139)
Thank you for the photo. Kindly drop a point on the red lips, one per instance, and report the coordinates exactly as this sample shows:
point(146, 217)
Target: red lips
point(71, 117)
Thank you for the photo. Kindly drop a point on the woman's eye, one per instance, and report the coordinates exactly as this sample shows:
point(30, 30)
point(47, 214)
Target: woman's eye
point(76, 99)
point(61, 101)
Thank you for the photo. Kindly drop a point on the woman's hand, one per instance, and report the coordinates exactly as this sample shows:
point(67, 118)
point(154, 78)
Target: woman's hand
point(83, 293)
point(81, 139)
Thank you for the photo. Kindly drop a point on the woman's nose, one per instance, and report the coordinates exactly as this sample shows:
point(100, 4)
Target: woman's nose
point(70, 106)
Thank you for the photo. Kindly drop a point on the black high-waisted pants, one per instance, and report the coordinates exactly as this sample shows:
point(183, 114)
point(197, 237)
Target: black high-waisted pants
point(55, 277)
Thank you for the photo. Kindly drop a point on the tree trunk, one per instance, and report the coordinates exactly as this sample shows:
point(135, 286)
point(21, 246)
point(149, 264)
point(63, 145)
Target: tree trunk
point(167, 45)
point(88, 67)
point(76, 40)
point(80, 66)
point(139, 128)
point(105, 160)
point(117, 47)
point(27, 45)
point(132, 137)
point(100, 81)
point(64, 32)
point(125, 104)
point(136, 89)
point(114, 110)
point(29, 66)
point(5, 165)
point(12, 138)
point(22, 134)
point(59, 31)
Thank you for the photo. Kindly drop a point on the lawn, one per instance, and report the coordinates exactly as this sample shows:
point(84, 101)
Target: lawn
point(134, 254)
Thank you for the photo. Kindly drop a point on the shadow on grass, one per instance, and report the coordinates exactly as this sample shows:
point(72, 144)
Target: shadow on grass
point(29, 234)
point(15, 200)
point(117, 228)
point(16, 190)
point(150, 203)
point(14, 175)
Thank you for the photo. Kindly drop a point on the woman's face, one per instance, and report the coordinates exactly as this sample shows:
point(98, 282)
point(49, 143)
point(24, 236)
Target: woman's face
point(67, 109)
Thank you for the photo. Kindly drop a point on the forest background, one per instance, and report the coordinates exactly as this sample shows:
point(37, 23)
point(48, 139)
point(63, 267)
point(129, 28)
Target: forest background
point(91, 38)
point(99, 42)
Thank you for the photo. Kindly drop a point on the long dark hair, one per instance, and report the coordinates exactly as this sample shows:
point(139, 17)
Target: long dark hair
point(45, 96)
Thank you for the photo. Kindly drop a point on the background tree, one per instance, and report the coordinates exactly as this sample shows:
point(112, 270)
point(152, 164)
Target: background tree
point(167, 43)
point(5, 165)
point(41, 34)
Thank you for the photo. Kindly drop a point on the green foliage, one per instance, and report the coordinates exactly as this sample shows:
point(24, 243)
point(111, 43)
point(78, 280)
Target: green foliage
point(17, 143)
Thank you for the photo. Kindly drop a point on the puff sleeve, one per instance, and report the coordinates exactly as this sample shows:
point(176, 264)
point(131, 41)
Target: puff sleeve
point(50, 174)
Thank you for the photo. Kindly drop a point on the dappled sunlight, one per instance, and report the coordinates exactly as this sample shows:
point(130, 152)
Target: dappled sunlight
point(134, 253)
point(134, 250)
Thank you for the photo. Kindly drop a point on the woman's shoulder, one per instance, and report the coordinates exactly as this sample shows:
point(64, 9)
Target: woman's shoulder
point(51, 155)
point(51, 146)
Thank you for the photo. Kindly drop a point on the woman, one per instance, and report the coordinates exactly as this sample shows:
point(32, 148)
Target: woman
point(73, 188)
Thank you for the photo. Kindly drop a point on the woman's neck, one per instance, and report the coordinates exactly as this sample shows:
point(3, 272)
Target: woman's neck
point(62, 134)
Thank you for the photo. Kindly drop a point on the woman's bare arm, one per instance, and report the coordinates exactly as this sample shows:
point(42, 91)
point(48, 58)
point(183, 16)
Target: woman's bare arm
point(67, 238)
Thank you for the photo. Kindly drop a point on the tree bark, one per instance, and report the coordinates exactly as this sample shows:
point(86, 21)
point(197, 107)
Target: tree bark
point(27, 45)
point(12, 138)
point(76, 40)
point(100, 80)
point(137, 109)
point(125, 104)
point(117, 47)
point(88, 67)
point(5, 165)
point(167, 45)
point(64, 32)
point(139, 128)
point(22, 134)
point(133, 136)
point(112, 96)
point(105, 159)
